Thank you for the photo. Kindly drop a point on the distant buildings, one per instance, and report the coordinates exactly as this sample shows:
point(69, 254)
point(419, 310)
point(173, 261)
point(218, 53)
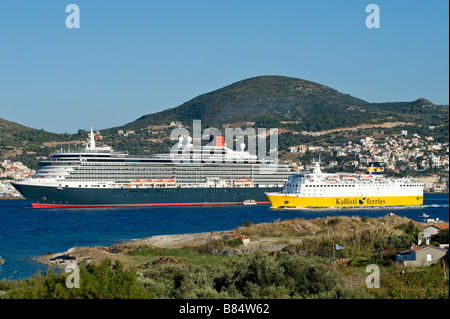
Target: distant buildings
point(298, 149)
point(127, 132)
point(175, 124)
point(10, 170)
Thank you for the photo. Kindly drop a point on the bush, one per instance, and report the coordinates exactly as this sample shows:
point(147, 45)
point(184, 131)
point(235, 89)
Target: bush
point(103, 281)
point(256, 275)
point(333, 221)
point(442, 237)
point(393, 243)
point(218, 244)
point(246, 223)
point(409, 229)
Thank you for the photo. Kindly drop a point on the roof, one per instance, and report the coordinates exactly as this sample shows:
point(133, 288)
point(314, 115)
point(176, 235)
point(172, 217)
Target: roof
point(240, 236)
point(426, 246)
point(441, 226)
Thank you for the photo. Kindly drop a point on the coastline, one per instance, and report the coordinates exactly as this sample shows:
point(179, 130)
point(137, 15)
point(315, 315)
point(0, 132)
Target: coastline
point(271, 237)
point(88, 254)
point(71, 257)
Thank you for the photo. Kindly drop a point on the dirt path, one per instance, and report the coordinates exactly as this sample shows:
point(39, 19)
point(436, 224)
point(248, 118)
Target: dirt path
point(355, 128)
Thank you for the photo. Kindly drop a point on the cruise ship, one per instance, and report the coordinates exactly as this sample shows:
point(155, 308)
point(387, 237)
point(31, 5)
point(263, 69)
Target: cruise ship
point(318, 189)
point(94, 176)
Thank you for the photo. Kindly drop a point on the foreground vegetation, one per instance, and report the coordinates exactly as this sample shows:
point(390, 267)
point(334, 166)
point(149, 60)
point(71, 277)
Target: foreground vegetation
point(301, 269)
point(256, 275)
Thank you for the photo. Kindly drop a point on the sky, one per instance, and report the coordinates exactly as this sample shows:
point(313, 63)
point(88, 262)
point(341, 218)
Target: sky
point(131, 58)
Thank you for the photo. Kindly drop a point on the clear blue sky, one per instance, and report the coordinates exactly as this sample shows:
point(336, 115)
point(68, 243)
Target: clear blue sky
point(131, 58)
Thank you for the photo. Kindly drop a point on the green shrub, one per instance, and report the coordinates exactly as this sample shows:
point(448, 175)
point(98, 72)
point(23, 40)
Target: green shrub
point(333, 221)
point(257, 275)
point(409, 229)
point(246, 223)
point(218, 244)
point(393, 243)
point(442, 237)
point(104, 281)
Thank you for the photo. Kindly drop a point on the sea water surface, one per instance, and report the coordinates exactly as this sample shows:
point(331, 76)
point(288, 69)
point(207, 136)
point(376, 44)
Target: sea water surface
point(26, 232)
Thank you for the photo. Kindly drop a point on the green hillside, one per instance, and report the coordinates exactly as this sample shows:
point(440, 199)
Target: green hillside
point(28, 145)
point(272, 100)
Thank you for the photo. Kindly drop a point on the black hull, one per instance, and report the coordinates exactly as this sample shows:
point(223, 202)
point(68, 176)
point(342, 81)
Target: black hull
point(46, 196)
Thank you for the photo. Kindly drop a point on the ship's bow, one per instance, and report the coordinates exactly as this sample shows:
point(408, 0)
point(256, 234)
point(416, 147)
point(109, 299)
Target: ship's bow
point(275, 199)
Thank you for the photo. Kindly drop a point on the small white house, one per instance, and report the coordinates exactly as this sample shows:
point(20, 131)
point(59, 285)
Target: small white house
point(431, 231)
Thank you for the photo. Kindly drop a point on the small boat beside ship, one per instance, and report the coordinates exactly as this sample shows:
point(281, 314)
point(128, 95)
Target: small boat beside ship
point(318, 189)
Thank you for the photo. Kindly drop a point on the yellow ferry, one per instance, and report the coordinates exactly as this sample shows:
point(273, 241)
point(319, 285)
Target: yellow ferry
point(318, 189)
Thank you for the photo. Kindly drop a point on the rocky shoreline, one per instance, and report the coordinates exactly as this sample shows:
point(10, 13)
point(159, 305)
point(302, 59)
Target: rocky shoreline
point(71, 257)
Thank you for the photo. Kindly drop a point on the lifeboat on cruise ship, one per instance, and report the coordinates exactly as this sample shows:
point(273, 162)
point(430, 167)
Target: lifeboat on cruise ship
point(136, 181)
point(170, 181)
point(247, 181)
point(160, 181)
point(367, 176)
point(148, 181)
point(332, 176)
point(351, 177)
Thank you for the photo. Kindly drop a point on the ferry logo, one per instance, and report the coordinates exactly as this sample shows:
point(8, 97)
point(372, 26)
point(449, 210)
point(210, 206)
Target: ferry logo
point(364, 201)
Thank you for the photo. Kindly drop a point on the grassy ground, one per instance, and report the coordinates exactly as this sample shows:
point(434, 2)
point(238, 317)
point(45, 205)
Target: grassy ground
point(287, 259)
point(145, 255)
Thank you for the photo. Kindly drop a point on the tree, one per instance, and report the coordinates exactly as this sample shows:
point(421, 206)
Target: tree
point(442, 237)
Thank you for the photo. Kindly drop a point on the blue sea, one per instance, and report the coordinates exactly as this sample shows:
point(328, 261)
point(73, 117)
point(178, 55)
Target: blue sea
point(26, 232)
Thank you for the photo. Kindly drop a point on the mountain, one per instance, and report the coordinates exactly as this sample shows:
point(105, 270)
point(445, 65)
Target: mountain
point(295, 106)
point(17, 133)
point(271, 100)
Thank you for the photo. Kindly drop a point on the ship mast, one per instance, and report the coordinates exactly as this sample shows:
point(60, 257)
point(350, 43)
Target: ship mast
point(317, 169)
point(92, 140)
